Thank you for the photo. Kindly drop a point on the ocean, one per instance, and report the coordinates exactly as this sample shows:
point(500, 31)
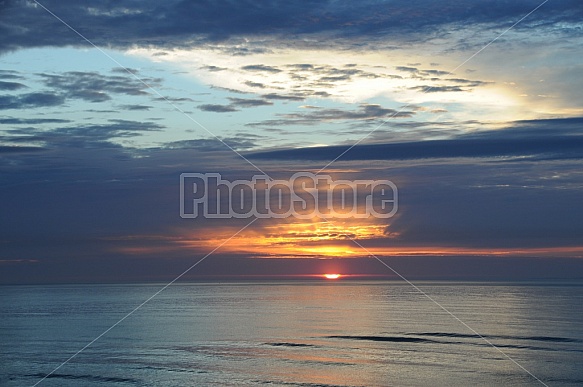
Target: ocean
point(288, 333)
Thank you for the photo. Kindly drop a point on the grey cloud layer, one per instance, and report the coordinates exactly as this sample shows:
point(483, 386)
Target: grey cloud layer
point(180, 23)
point(548, 139)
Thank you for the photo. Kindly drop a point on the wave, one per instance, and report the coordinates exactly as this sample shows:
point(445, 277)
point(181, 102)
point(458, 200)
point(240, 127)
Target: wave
point(393, 339)
point(505, 337)
point(92, 378)
point(481, 343)
point(289, 345)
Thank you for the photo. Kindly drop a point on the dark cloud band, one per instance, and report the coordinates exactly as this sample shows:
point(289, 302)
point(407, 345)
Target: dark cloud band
point(549, 138)
point(180, 23)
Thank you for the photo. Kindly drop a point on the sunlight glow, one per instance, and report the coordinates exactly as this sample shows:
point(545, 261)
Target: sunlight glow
point(306, 239)
point(317, 239)
point(332, 276)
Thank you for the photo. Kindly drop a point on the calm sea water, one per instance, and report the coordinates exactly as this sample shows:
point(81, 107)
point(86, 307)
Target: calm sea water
point(330, 333)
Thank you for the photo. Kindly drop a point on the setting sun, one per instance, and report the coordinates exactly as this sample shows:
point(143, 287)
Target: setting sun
point(331, 276)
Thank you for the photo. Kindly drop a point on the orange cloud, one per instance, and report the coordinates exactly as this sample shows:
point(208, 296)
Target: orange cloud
point(342, 239)
point(301, 239)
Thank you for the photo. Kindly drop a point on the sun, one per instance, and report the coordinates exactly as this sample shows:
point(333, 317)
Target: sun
point(331, 276)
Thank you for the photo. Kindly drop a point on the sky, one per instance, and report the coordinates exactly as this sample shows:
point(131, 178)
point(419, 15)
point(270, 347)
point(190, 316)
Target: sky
point(472, 109)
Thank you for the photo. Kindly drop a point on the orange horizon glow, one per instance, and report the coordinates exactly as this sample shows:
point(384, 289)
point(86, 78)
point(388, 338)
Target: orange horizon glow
point(332, 276)
point(319, 239)
point(306, 239)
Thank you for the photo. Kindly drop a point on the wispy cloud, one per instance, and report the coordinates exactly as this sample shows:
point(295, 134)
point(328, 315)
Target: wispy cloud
point(32, 121)
point(268, 69)
point(88, 136)
point(11, 85)
point(315, 115)
point(30, 100)
point(214, 145)
point(215, 108)
point(96, 87)
point(249, 102)
point(135, 107)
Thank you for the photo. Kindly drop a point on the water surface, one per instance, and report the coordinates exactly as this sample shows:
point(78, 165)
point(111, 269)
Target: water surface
point(329, 333)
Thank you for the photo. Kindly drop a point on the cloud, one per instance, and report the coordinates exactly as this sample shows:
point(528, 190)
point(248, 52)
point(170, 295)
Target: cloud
point(301, 66)
point(255, 84)
point(437, 75)
point(101, 204)
point(10, 74)
point(125, 70)
point(136, 107)
point(316, 115)
point(30, 100)
point(433, 75)
point(178, 23)
point(213, 68)
point(213, 145)
point(19, 149)
point(263, 68)
point(92, 186)
point(438, 89)
point(434, 72)
point(11, 85)
point(533, 139)
point(283, 97)
point(96, 87)
point(173, 99)
point(235, 104)
point(359, 82)
point(468, 82)
point(31, 121)
point(248, 102)
point(88, 136)
point(217, 108)
point(407, 69)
